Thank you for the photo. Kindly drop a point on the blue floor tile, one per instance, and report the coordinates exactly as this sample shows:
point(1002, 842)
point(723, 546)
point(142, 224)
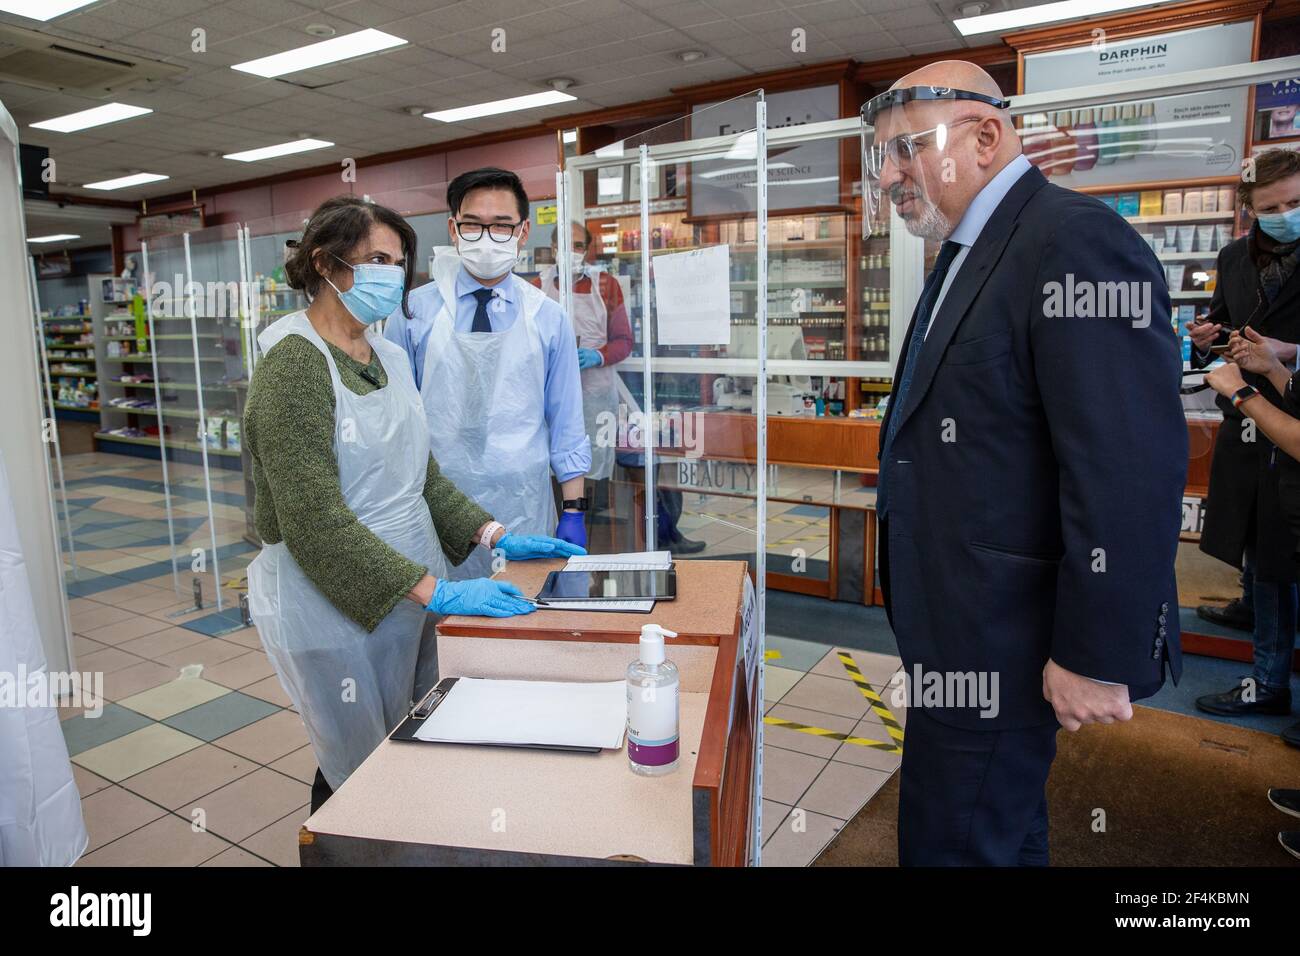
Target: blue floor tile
point(83, 733)
point(808, 511)
point(221, 716)
point(217, 623)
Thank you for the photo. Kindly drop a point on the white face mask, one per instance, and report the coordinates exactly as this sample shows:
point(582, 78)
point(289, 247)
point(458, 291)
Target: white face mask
point(487, 259)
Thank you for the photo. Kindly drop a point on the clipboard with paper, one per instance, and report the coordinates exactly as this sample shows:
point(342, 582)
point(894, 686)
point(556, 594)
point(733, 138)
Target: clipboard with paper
point(585, 717)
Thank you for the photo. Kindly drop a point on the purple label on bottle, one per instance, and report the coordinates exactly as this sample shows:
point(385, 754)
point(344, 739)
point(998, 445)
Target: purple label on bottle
point(652, 755)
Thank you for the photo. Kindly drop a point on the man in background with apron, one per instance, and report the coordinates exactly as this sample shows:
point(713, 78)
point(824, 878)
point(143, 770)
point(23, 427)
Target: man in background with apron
point(496, 363)
point(604, 337)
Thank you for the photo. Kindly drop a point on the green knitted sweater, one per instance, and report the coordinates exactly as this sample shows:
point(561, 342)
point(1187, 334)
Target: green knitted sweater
point(289, 429)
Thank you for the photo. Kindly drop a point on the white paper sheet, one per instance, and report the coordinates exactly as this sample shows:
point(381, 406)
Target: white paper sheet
point(481, 711)
point(693, 297)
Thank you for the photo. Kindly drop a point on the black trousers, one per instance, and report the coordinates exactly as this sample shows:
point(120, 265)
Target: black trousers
point(969, 798)
point(320, 791)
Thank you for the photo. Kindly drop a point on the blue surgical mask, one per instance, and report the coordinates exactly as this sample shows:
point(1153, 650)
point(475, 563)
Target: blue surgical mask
point(376, 291)
point(1282, 226)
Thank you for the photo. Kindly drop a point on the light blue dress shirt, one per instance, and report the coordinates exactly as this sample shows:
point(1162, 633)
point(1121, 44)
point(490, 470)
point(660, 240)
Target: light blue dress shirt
point(562, 398)
point(975, 218)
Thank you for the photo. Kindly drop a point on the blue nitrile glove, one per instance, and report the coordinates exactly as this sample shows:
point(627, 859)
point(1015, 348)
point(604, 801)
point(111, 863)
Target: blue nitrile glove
point(589, 358)
point(572, 529)
point(523, 547)
point(480, 596)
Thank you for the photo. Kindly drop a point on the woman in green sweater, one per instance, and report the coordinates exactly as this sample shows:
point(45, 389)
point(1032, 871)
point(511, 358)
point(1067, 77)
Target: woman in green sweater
point(357, 522)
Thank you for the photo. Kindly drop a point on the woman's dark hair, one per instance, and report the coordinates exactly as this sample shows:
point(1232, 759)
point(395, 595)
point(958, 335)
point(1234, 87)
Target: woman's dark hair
point(335, 229)
point(489, 177)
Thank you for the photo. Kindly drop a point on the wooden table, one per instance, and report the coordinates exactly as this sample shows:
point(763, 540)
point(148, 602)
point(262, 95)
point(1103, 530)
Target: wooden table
point(444, 804)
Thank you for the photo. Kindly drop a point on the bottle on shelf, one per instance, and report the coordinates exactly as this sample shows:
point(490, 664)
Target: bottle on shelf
point(1107, 137)
point(1064, 146)
point(1085, 141)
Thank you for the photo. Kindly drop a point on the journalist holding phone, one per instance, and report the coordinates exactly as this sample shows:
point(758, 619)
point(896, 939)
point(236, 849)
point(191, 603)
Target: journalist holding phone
point(1258, 290)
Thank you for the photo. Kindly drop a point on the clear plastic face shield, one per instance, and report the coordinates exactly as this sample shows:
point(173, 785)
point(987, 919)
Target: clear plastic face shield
point(907, 136)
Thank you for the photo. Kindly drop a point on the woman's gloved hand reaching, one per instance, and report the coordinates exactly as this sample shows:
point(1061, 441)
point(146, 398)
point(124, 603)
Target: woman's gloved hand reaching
point(525, 547)
point(478, 596)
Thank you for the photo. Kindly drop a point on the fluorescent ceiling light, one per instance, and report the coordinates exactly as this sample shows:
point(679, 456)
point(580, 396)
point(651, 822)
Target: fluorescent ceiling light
point(318, 54)
point(281, 149)
point(42, 9)
point(548, 98)
point(122, 182)
point(98, 116)
point(58, 237)
point(1043, 13)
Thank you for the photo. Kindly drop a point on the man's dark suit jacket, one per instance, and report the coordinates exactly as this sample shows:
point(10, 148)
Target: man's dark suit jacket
point(1035, 494)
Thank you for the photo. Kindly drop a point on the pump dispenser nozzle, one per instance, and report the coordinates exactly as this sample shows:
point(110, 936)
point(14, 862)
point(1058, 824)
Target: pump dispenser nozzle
point(652, 643)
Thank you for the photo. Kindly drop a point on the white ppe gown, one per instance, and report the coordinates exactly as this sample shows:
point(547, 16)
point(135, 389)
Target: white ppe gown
point(352, 687)
point(483, 395)
point(40, 808)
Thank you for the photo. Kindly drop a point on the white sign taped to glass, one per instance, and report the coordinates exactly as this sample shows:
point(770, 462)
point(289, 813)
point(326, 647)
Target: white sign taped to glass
point(1151, 138)
point(693, 297)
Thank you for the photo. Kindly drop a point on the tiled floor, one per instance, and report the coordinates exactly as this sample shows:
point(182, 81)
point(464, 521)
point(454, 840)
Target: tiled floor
point(813, 784)
point(207, 769)
point(198, 758)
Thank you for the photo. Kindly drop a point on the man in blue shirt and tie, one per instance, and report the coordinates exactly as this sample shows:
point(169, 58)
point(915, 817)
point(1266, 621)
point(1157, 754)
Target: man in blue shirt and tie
point(496, 362)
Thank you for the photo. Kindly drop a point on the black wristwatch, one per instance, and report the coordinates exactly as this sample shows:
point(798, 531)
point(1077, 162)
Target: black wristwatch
point(575, 504)
point(1243, 394)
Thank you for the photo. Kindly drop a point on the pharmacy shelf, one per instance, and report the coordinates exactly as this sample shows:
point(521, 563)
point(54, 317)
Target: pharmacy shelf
point(165, 386)
point(171, 443)
point(152, 411)
point(1182, 217)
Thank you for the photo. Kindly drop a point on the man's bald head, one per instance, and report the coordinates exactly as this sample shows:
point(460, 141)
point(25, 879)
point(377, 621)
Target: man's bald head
point(932, 189)
point(959, 75)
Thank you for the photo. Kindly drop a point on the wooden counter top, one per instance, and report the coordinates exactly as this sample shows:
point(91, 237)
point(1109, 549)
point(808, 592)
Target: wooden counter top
point(698, 615)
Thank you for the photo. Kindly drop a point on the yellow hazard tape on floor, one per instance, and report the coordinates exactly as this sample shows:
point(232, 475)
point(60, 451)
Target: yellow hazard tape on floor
point(886, 746)
point(894, 728)
point(894, 745)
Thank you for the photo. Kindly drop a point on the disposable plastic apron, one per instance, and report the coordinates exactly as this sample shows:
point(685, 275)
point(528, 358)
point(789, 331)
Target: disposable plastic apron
point(599, 397)
point(352, 687)
point(483, 395)
point(40, 808)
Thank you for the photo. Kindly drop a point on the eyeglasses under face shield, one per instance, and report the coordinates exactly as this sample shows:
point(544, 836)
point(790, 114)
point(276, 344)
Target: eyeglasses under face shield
point(894, 134)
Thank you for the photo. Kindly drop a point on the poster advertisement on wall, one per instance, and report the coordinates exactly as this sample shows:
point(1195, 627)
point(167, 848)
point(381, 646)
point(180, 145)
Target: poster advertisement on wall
point(1277, 109)
point(1148, 139)
point(798, 177)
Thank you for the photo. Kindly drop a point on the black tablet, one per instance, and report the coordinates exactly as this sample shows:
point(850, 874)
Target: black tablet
point(562, 586)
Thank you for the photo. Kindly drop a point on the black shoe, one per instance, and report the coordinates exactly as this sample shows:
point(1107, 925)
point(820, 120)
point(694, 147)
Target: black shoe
point(1233, 614)
point(1288, 801)
point(1290, 840)
point(1292, 736)
point(687, 546)
point(1231, 704)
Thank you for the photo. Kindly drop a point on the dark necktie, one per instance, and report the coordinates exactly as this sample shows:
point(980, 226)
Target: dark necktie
point(481, 323)
point(929, 292)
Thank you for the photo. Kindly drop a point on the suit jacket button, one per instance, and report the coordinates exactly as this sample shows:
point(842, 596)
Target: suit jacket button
point(1164, 608)
point(1164, 631)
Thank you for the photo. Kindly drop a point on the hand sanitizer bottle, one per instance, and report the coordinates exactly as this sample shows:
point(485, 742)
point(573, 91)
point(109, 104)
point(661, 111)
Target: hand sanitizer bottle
point(652, 707)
